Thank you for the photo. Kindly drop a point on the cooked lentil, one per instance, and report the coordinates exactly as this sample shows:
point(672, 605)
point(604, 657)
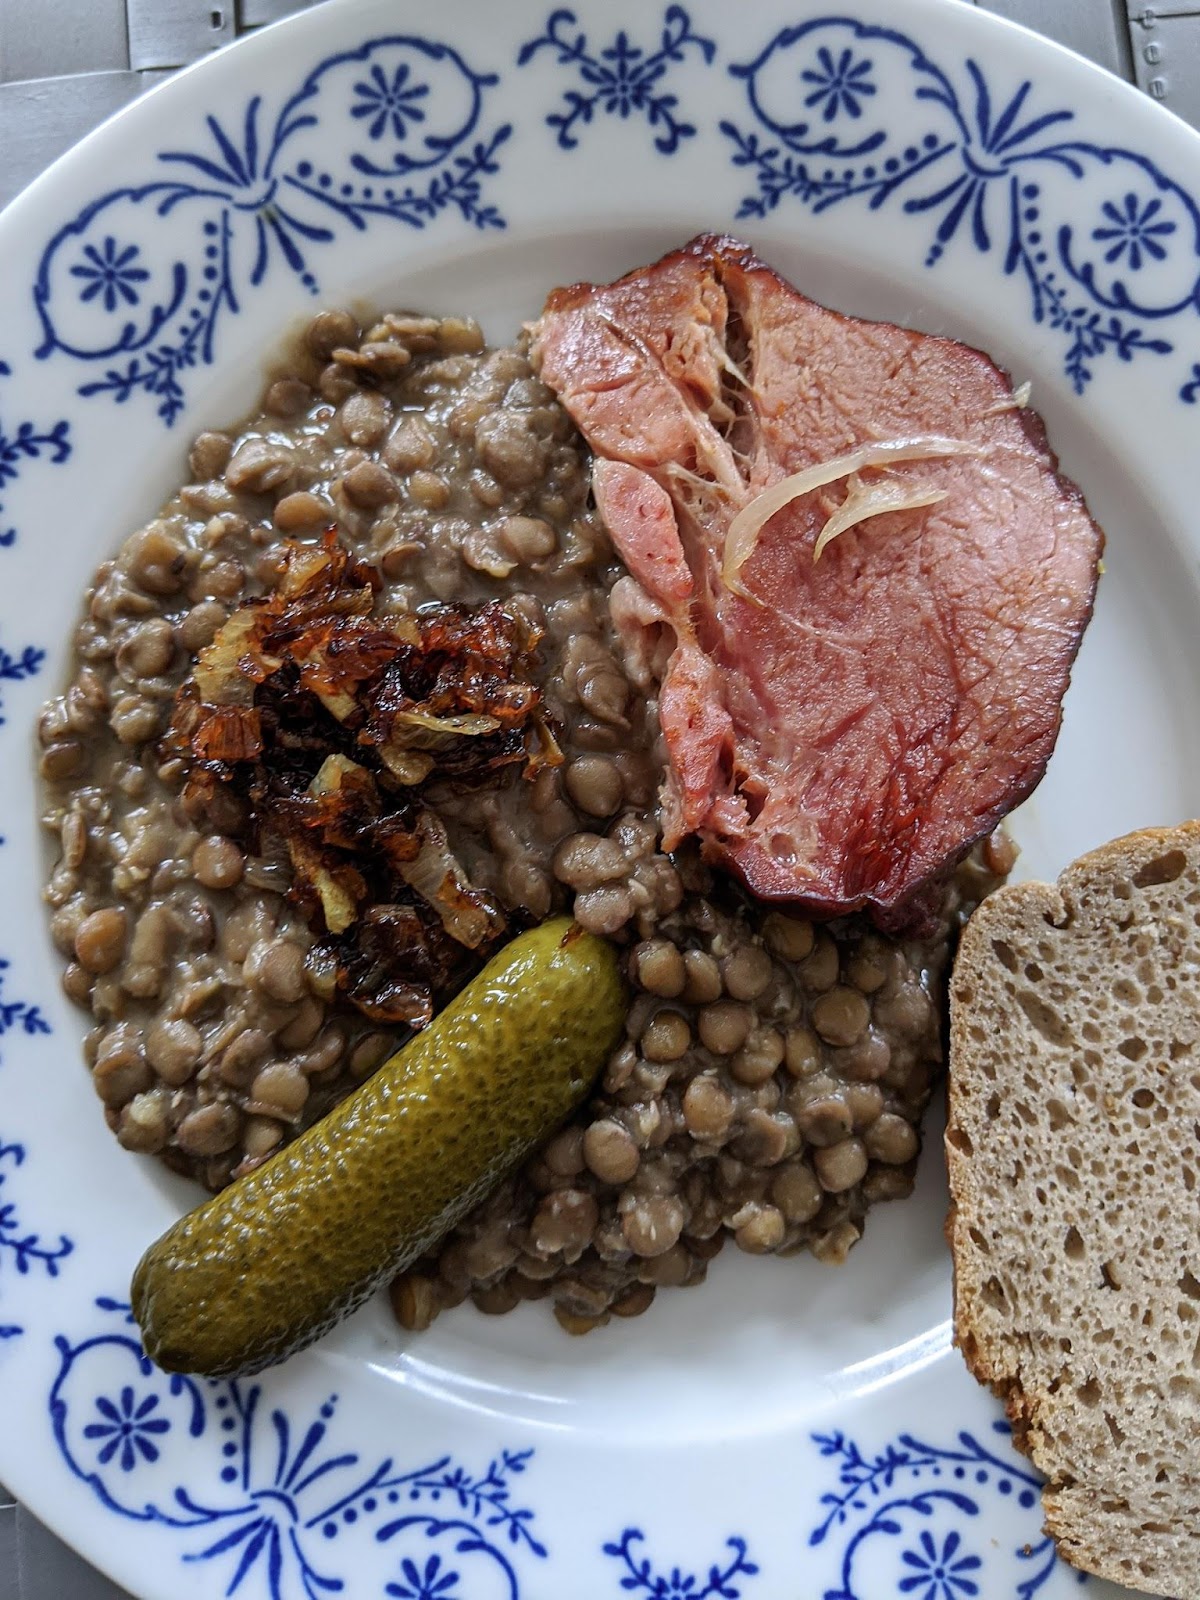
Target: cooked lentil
point(774, 1073)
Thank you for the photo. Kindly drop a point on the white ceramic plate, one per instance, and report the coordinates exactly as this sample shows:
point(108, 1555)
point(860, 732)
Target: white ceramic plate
point(786, 1430)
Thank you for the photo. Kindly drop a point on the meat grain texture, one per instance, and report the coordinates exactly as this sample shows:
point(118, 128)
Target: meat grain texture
point(840, 730)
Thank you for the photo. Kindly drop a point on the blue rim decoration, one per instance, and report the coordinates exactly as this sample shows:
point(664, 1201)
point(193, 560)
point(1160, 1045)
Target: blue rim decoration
point(917, 1499)
point(28, 442)
point(266, 1497)
point(261, 199)
point(268, 1501)
point(18, 1015)
point(1107, 244)
point(21, 1251)
point(621, 79)
point(1103, 267)
point(16, 669)
point(678, 1584)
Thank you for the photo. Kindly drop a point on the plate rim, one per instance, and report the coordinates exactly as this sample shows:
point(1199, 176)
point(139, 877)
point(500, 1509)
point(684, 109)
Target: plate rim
point(317, 24)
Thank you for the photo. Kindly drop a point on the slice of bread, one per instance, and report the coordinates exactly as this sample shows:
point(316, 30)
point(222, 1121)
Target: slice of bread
point(1073, 1144)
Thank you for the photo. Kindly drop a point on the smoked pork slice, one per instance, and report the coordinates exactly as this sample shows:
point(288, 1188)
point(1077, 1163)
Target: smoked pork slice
point(840, 730)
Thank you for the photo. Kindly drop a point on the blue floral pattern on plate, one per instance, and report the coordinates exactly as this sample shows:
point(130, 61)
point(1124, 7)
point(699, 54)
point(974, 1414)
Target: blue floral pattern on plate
point(678, 1584)
point(18, 1015)
point(392, 102)
point(622, 78)
point(260, 198)
point(27, 442)
point(16, 669)
point(909, 1512)
point(264, 1497)
point(22, 1251)
point(1107, 244)
point(838, 86)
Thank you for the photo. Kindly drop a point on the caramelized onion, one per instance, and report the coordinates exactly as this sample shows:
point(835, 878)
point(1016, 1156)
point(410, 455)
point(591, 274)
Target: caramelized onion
point(328, 720)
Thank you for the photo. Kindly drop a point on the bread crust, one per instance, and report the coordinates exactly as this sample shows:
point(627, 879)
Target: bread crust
point(1033, 1064)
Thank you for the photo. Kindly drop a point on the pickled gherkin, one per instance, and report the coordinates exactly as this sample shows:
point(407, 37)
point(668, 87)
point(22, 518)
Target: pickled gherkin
point(277, 1259)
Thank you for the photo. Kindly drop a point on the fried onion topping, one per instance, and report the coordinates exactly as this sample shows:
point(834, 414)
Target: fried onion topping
point(332, 720)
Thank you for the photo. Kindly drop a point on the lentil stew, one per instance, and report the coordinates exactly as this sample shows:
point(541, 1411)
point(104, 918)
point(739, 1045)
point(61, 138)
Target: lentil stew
point(774, 1071)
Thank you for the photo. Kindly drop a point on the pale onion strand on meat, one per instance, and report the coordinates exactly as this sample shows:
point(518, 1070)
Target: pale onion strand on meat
point(1017, 401)
point(742, 538)
point(866, 500)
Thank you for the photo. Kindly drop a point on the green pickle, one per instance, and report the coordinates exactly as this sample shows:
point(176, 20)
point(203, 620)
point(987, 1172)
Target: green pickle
point(275, 1260)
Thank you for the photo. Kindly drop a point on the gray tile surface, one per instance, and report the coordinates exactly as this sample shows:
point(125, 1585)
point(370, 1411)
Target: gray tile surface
point(48, 1570)
point(168, 33)
point(256, 13)
point(42, 117)
point(65, 65)
point(1166, 56)
point(9, 1573)
point(8, 1546)
point(83, 38)
point(1147, 15)
point(1097, 29)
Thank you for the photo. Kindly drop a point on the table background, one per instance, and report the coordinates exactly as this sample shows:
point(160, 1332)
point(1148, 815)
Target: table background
point(66, 65)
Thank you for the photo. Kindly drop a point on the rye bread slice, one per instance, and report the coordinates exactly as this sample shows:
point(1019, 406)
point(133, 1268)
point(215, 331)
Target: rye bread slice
point(1073, 1144)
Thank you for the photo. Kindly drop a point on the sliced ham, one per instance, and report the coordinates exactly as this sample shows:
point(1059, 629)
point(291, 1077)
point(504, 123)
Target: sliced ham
point(843, 722)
